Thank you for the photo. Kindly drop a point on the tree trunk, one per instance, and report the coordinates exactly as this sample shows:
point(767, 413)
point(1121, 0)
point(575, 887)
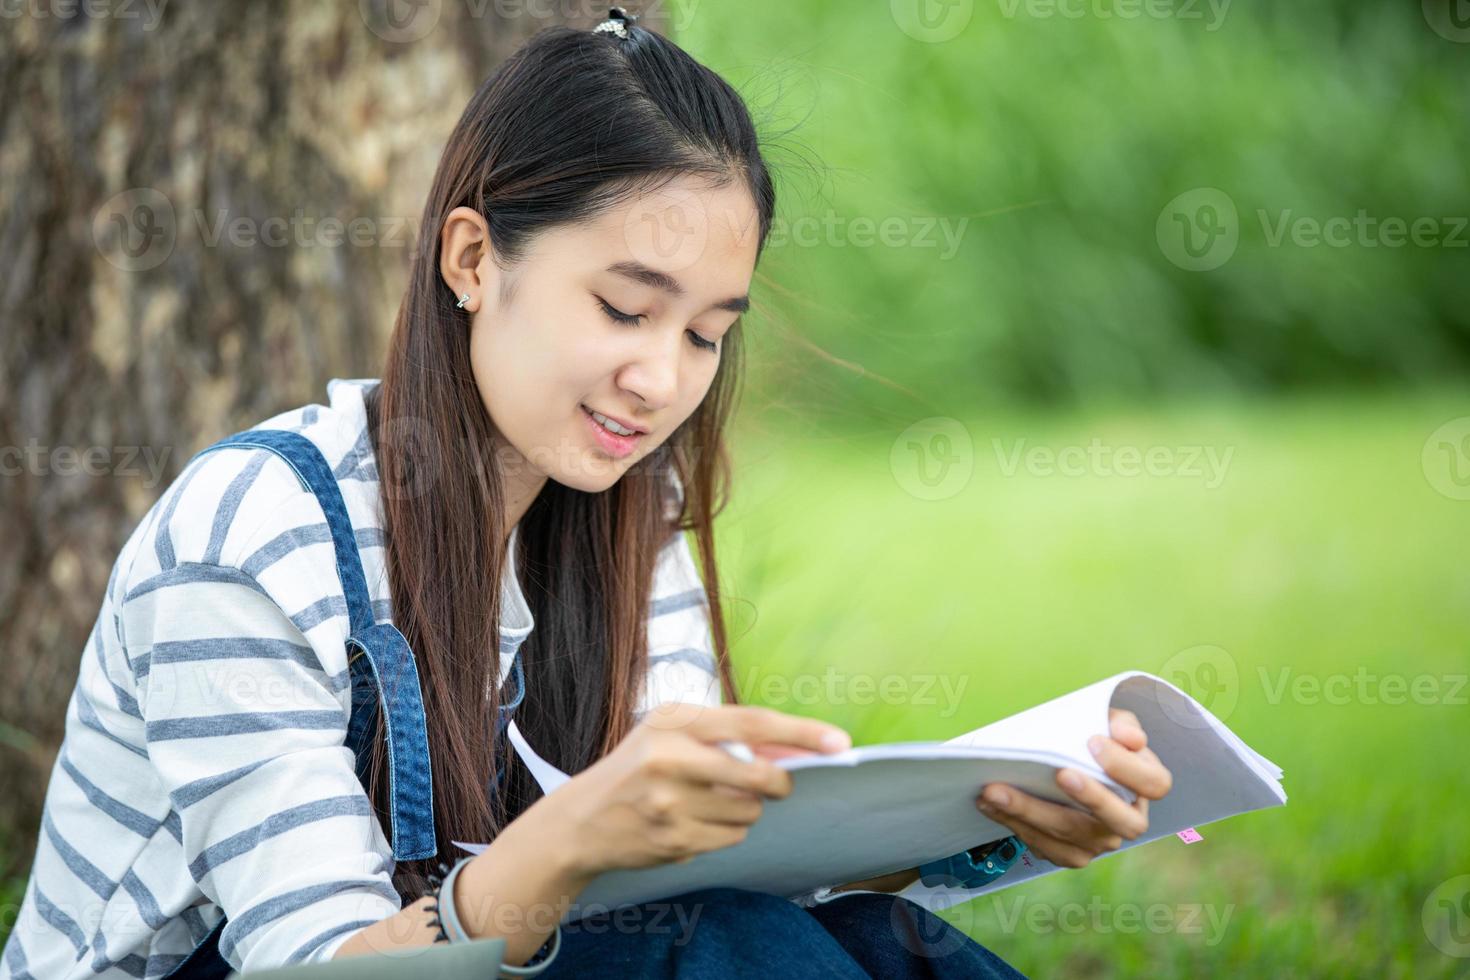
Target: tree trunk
point(170, 270)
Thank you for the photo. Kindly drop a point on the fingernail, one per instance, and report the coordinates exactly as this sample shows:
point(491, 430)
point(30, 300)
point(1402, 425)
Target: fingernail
point(1070, 781)
point(986, 808)
point(1000, 798)
point(836, 741)
point(1095, 744)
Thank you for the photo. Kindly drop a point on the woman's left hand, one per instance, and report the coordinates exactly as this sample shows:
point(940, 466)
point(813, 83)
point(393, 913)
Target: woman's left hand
point(1067, 837)
point(1061, 834)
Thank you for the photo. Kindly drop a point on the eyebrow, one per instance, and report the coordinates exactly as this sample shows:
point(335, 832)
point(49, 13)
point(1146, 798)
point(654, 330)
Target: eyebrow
point(641, 273)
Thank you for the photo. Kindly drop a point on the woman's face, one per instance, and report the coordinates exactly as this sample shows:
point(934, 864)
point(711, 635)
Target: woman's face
point(624, 316)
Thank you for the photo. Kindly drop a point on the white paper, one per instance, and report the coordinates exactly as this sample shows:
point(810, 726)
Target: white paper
point(876, 809)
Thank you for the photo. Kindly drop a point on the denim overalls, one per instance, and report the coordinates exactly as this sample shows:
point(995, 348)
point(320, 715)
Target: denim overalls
point(386, 675)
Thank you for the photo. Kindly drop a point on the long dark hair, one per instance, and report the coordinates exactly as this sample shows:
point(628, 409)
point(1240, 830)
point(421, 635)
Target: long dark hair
point(562, 130)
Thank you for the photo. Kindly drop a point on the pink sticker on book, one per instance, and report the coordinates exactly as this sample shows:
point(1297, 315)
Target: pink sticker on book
point(1189, 835)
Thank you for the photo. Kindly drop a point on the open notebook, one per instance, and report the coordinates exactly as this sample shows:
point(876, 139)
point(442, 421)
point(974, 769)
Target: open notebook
point(875, 809)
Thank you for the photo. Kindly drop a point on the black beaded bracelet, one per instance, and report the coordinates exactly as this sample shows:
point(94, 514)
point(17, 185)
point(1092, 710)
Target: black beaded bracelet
point(437, 880)
point(448, 927)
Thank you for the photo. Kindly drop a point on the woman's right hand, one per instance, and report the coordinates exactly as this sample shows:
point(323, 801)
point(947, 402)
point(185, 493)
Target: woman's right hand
point(667, 792)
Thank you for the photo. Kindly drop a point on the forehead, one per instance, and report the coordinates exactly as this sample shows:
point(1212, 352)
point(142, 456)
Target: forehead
point(705, 237)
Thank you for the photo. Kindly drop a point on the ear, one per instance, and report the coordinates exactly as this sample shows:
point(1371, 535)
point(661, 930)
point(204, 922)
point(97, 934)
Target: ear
point(465, 257)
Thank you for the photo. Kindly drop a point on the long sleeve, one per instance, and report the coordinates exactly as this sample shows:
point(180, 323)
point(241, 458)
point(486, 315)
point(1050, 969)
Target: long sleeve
point(245, 722)
point(680, 648)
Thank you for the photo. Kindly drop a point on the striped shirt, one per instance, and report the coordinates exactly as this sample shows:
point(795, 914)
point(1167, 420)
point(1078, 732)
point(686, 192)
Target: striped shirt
point(203, 770)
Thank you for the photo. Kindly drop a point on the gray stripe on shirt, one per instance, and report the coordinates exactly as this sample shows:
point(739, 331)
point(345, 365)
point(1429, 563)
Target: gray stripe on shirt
point(355, 805)
point(15, 959)
point(234, 648)
point(89, 873)
point(229, 504)
point(322, 938)
point(300, 537)
point(88, 716)
point(60, 921)
point(240, 723)
point(283, 905)
point(135, 820)
point(679, 600)
point(143, 898)
point(163, 542)
point(193, 573)
point(190, 793)
point(702, 659)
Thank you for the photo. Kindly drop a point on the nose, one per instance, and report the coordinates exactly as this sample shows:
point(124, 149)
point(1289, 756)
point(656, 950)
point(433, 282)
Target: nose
point(654, 376)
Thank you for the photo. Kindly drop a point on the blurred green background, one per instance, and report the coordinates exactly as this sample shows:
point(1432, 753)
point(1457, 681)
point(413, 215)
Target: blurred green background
point(1092, 336)
point(1303, 526)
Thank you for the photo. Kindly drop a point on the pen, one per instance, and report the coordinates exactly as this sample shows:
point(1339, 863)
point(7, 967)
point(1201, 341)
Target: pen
point(739, 750)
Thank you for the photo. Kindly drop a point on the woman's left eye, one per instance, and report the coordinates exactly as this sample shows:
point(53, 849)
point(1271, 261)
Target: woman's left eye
point(618, 316)
point(701, 342)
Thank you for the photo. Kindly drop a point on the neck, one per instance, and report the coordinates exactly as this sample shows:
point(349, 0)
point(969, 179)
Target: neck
point(522, 485)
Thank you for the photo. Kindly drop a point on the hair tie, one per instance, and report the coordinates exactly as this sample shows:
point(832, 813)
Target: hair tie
point(618, 21)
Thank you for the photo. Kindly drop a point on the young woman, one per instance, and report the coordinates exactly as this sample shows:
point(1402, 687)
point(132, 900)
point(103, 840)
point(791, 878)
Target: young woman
point(297, 692)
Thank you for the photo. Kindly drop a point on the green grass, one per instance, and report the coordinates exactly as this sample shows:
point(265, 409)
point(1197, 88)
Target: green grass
point(1324, 550)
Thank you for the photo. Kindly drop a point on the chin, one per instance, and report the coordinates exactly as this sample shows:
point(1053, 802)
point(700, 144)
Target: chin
point(596, 474)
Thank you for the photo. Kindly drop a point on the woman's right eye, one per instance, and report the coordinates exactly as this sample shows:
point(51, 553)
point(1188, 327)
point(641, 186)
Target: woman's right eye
point(616, 314)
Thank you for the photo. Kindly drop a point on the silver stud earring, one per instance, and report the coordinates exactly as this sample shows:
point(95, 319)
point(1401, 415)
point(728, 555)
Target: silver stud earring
point(462, 301)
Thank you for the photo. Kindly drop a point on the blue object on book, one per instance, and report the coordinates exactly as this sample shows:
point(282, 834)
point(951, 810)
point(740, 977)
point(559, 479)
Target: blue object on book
point(974, 867)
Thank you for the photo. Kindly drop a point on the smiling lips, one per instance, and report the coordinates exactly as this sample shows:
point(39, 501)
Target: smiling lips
point(616, 439)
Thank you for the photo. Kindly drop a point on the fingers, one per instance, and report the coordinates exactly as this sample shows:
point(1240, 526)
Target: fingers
point(1140, 771)
point(694, 762)
point(752, 724)
point(722, 805)
point(1119, 818)
point(1062, 853)
point(1061, 823)
point(1125, 728)
point(1058, 852)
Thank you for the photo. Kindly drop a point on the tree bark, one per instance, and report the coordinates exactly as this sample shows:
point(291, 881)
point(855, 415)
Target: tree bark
point(170, 271)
